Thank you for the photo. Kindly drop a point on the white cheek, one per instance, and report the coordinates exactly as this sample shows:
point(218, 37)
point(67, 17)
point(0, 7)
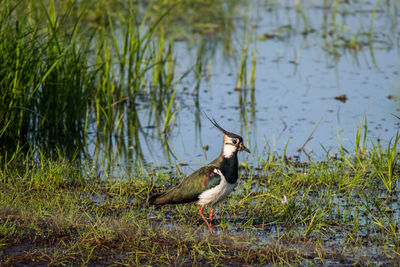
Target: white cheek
point(229, 150)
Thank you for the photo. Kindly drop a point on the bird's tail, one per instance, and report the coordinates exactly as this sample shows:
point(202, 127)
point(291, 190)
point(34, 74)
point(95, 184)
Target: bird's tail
point(153, 199)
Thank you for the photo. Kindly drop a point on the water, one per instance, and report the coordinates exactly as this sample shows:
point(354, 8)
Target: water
point(305, 59)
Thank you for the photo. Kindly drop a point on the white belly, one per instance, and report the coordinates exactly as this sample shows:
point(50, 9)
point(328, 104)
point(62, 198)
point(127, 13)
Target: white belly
point(216, 194)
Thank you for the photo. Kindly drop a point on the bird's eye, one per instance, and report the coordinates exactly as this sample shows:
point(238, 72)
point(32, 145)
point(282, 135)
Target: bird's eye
point(234, 141)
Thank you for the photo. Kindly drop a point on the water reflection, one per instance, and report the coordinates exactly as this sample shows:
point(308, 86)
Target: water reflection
point(279, 84)
point(268, 70)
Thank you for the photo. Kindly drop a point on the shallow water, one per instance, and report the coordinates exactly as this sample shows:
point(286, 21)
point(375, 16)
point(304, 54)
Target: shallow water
point(304, 63)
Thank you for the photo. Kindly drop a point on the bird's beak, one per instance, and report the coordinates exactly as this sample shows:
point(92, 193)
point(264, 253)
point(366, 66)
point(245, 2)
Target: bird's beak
point(242, 147)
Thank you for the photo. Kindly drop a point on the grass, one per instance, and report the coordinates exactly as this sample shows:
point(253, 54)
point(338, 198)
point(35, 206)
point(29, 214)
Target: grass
point(61, 78)
point(70, 69)
point(54, 213)
point(75, 74)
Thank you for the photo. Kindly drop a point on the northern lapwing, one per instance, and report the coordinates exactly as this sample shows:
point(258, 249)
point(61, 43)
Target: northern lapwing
point(210, 184)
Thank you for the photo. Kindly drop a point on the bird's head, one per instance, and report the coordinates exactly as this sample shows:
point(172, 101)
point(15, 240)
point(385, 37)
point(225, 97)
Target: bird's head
point(232, 142)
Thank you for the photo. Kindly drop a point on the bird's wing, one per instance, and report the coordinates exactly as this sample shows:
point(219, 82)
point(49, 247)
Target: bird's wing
point(190, 187)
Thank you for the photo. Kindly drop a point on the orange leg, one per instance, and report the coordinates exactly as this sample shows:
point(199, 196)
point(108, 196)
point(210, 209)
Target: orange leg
point(211, 215)
point(208, 224)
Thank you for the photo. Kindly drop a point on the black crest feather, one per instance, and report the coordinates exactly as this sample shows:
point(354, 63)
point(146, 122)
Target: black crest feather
point(214, 122)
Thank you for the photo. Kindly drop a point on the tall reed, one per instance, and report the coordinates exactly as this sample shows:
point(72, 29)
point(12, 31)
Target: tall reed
point(60, 77)
point(45, 83)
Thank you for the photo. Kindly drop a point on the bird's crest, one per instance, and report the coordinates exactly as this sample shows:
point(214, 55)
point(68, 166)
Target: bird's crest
point(214, 122)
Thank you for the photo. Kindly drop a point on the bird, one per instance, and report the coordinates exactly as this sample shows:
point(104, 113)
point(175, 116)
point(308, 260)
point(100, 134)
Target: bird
point(210, 184)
